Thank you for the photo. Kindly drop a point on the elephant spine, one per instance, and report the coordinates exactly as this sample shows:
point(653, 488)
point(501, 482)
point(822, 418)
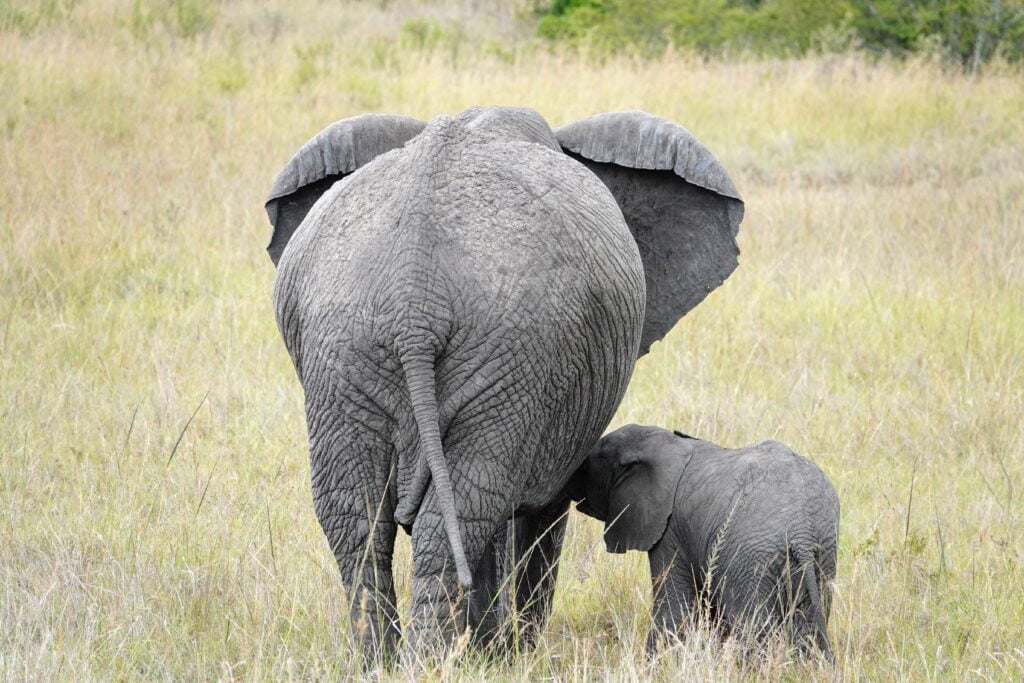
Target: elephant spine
point(419, 375)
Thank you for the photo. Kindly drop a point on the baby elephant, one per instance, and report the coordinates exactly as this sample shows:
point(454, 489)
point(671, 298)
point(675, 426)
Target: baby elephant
point(749, 535)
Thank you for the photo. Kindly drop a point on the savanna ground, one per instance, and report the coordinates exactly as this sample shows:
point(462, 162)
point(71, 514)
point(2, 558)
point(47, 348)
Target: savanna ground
point(156, 517)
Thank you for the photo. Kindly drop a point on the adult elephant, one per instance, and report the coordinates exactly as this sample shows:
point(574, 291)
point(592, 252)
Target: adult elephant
point(463, 301)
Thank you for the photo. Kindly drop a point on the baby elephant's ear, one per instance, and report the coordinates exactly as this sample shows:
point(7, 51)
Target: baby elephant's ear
point(336, 151)
point(678, 201)
point(641, 500)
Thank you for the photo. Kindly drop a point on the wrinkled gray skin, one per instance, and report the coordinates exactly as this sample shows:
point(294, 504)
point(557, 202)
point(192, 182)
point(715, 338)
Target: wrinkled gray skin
point(762, 518)
point(463, 302)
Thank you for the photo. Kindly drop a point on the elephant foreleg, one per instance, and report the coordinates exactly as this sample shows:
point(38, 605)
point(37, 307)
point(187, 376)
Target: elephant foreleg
point(485, 605)
point(536, 539)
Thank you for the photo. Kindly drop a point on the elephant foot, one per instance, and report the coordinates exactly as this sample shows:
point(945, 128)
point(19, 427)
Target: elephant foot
point(375, 628)
point(439, 629)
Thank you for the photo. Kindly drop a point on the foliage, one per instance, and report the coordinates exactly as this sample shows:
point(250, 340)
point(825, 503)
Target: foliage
point(312, 62)
point(27, 16)
point(969, 31)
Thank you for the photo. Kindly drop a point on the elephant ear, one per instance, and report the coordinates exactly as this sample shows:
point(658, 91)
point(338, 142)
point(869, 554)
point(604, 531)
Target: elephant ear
point(678, 201)
point(641, 499)
point(336, 151)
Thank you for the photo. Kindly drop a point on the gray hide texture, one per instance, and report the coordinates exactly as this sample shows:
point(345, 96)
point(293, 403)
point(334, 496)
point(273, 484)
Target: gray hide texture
point(681, 206)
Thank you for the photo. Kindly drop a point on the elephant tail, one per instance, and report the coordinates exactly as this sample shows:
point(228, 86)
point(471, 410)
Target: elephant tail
point(419, 375)
point(812, 627)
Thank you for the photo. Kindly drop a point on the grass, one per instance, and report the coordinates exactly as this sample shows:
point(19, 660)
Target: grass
point(155, 513)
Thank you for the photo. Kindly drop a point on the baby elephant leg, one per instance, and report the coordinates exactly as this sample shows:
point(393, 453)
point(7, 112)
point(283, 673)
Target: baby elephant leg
point(782, 598)
point(674, 596)
point(808, 628)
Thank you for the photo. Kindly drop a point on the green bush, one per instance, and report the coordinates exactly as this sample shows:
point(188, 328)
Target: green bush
point(967, 31)
point(708, 26)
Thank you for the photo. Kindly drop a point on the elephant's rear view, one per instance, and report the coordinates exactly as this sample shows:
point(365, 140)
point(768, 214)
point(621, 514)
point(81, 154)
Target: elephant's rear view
point(464, 313)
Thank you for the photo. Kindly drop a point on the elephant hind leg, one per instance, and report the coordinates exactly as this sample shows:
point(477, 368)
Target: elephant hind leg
point(755, 599)
point(441, 608)
point(372, 612)
point(785, 602)
point(353, 495)
point(514, 582)
point(808, 613)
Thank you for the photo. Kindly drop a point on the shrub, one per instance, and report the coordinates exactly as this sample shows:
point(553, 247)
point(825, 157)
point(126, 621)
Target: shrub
point(969, 32)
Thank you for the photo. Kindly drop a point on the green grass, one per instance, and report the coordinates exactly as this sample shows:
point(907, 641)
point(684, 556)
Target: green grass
point(876, 324)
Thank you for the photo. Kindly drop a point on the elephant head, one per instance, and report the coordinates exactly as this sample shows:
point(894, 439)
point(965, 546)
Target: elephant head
point(629, 482)
point(679, 203)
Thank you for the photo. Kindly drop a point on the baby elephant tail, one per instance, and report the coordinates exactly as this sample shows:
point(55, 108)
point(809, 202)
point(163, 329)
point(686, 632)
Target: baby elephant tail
point(809, 623)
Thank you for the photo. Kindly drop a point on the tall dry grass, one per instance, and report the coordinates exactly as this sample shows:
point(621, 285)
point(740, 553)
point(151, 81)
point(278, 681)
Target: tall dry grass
point(155, 514)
